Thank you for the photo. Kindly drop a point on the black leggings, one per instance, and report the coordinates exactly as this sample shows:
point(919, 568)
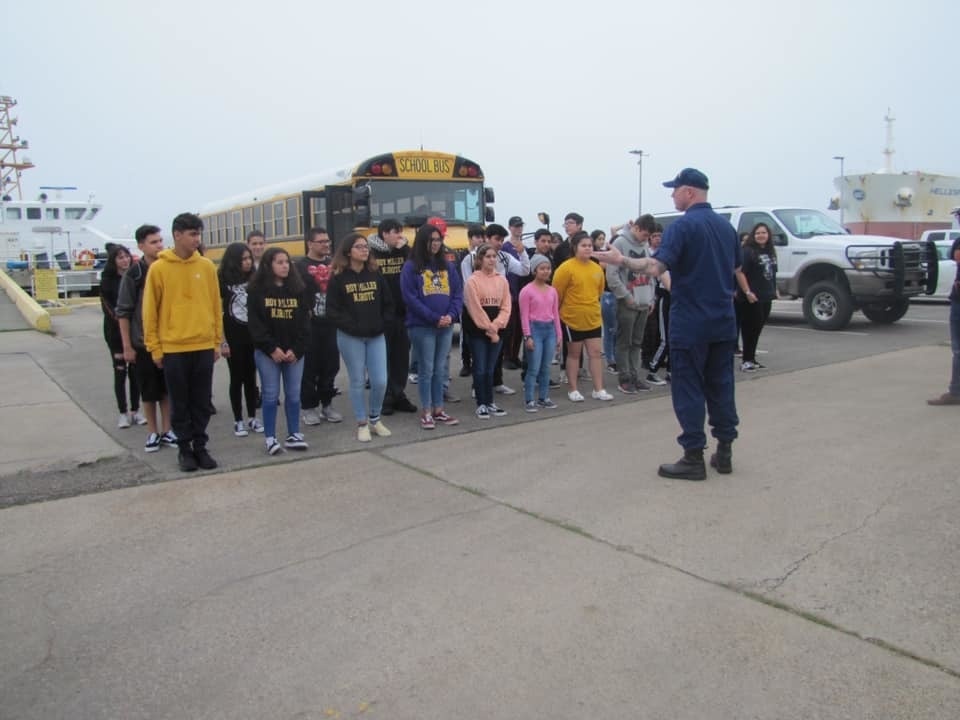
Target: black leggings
point(753, 316)
point(243, 380)
point(122, 373)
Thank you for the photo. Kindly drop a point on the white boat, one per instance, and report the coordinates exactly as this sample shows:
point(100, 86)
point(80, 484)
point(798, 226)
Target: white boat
point(49, 231)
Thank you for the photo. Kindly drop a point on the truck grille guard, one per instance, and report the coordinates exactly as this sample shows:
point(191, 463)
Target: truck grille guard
point(898, 260)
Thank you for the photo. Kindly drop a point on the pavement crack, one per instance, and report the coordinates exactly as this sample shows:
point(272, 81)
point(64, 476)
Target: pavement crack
point(738, 589)
point(216, 590)
point(770, 585)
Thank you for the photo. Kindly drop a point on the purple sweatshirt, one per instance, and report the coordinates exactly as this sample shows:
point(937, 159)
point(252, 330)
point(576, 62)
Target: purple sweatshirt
point(430, 294)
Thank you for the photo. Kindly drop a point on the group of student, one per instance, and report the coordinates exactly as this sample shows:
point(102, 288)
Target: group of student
point(376, 302)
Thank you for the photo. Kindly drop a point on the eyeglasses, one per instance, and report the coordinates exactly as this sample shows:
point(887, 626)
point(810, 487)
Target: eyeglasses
point(321, 241)
point(360, 247)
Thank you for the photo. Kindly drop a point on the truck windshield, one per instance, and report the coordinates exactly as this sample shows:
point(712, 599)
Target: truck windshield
point(808, 223)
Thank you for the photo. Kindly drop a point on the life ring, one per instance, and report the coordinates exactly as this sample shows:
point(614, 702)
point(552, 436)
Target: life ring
point(86, 258)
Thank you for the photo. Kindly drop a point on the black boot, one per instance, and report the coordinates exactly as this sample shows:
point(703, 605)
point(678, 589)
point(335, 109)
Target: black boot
point(689, 467)
point(722, 459)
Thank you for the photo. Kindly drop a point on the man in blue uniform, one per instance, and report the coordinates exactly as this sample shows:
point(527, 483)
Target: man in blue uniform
point(952, 396)
point(702, 253)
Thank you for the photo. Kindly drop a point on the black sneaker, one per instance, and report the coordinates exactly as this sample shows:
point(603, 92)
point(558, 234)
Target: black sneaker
point(466, 371)
point(386, 409)
point(403, 404)
point(554, 384)
point(187, 460)
point(203, 459)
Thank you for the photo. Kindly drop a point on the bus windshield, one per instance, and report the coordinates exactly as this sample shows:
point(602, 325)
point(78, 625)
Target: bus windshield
point(458, 202)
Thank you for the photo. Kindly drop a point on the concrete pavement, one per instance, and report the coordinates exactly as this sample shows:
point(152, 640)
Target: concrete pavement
point(537, 570)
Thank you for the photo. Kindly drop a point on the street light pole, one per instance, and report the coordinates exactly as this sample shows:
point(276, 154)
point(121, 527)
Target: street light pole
point(640, 155)
point(840, 158)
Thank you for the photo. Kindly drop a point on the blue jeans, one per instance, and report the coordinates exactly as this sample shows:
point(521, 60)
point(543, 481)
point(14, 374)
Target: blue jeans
point(365, 357)
point(485, 354)
point(271, 373)
point(432, 348)
point(608, 312)
point(955, 346)
point(544, 336)
point(703, 373)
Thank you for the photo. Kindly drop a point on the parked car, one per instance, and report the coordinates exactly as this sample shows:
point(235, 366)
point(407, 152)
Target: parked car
point(947, 272)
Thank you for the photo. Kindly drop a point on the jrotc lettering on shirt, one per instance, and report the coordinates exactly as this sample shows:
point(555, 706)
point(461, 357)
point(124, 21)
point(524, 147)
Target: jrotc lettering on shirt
point(362, 292)
point(281, 308)
point(391, 265)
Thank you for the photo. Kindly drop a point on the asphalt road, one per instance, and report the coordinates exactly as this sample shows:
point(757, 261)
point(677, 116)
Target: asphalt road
point(78, 362)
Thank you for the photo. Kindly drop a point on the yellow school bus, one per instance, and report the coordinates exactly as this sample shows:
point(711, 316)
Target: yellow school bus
point(409, 186)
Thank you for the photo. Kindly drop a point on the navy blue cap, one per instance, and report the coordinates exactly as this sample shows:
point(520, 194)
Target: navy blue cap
point(690, 177)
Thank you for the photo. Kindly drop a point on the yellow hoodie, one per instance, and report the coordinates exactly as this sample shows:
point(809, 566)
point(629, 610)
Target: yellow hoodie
point(181, 305)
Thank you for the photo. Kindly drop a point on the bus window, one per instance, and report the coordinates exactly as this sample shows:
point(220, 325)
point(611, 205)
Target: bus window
point(293, 217)
point(278, 219)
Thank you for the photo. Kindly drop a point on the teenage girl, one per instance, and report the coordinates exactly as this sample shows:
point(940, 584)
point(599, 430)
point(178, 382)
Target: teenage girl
point(358, 300)
point(279, 321)
point(118, 262)
point(235, 272)
point(540, 320)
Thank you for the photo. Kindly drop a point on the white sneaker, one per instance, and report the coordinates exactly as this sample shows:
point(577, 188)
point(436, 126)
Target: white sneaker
point(380, 429)
point(412, 378)
point(152, 444)
point(601, 395)
point(504, 390)
point(563, 377)
point(139, 419)
point(273, 447)
point(575, 396)
point(312, 417)
point(239, 429)
point(123, 421)
point(255, 425)
point(363, 433)
point(330, 415)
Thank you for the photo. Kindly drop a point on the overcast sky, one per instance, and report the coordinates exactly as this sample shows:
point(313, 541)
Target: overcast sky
point(161, 108)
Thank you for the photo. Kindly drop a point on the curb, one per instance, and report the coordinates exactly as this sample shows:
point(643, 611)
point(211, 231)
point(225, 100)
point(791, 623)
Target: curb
point(35, 315)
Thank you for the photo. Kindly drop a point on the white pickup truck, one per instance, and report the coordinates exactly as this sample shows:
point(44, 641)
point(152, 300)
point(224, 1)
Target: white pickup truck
point(836, 273)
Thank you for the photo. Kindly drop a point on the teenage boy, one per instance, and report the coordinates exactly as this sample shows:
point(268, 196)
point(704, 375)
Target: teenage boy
point(183, 329)
point(322, 361)
point(153, 389)
point(514, 334)
point(391, 250)
point(634, 293)
point(257, 244)
point(572, 224)
point(475, 237)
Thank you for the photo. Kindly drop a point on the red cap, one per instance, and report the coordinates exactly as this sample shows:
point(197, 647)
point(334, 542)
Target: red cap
point(439, 223)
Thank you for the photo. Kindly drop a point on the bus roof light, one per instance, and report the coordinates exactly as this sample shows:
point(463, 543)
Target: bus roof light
point(387, 169)
point(376, 169)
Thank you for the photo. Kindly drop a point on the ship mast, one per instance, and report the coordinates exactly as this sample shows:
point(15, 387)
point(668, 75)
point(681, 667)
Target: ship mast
point(10, 166)
point(888, 150)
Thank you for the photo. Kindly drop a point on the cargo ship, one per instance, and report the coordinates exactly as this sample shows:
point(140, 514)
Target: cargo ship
point(895, 204)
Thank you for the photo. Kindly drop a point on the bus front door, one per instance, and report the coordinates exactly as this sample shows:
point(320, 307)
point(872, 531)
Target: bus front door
point(339, 201)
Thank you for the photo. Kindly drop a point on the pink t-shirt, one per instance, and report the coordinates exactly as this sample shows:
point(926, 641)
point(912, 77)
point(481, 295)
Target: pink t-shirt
point(540, 306)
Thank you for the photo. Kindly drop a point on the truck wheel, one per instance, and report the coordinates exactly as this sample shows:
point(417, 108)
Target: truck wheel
point(827, 306)
point(887, 312)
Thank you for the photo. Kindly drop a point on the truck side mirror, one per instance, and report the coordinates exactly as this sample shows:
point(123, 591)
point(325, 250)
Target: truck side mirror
point(779, 239)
